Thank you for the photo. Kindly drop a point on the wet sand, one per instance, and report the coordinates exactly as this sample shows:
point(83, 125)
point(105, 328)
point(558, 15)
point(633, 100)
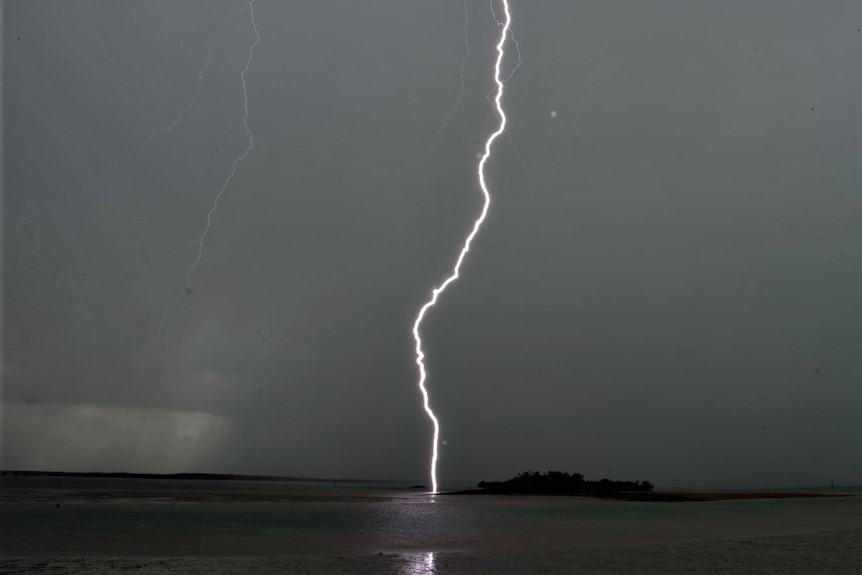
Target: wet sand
point(682, 496)
point(730, 495)
point(822, 552)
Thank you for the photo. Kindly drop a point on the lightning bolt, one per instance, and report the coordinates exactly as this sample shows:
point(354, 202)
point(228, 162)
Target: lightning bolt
point(435, 293)
point(517, 45)
point(193, 100)
point(463, 83)
point(506, 81)
point(200, 240)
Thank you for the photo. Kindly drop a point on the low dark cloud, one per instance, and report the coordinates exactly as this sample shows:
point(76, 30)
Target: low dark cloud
point(666, 287)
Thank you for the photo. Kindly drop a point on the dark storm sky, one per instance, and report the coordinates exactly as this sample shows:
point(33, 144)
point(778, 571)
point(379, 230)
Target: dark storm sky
point(667, 287)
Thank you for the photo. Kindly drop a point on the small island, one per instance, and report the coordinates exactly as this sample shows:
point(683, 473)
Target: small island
point(574, 484)
point(558, 483)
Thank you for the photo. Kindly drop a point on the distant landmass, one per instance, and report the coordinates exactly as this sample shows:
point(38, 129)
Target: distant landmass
point(562, 483)
point(526, 483)
point(188, 476)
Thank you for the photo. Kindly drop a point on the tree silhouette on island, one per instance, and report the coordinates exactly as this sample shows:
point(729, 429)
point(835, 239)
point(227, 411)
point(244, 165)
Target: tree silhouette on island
point(560, 483)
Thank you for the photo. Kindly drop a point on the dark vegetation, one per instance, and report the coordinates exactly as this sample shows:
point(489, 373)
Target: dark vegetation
point(562, 483)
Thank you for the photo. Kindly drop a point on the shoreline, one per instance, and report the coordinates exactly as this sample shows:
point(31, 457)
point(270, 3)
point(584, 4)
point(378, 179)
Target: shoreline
point(666, 496)
point(188, 476)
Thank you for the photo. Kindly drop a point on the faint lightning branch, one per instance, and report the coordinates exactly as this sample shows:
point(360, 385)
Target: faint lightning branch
point(509, 77)
point(240, 158)
point(463, 83)
point(201, 76)
point(517, 50)
point(523, 163)
point(435, 294)
point(508, 133)
point(494, 13)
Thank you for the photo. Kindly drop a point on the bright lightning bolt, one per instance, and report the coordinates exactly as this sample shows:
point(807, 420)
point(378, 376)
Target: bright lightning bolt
point(435, 294)
point(506, 81)
point(517, 51)
point(240, 158)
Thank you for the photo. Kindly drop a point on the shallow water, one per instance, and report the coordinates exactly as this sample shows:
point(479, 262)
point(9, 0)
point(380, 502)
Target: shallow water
point(309, 526)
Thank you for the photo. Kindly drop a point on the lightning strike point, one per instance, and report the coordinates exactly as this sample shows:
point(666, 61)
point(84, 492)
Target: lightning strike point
point(456, 270)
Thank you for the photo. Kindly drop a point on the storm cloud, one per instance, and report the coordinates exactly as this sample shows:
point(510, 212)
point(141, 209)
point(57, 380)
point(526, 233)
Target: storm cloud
point(666, 287)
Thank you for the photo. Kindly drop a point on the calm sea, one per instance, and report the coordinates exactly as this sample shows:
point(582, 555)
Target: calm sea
point(293, 527)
